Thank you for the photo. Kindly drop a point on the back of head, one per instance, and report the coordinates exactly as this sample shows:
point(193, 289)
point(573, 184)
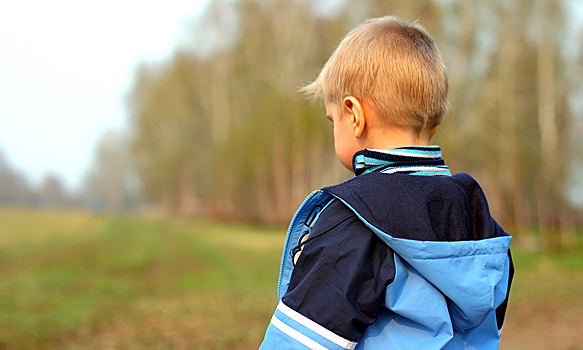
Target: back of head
point(392, 65)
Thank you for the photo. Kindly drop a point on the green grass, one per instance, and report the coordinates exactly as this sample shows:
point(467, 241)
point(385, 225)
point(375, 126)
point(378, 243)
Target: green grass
point(549, 277)
point(73, 280)
point(133, 282)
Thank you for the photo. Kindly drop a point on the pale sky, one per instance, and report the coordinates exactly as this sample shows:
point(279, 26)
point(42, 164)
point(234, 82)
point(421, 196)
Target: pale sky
point(65, 69)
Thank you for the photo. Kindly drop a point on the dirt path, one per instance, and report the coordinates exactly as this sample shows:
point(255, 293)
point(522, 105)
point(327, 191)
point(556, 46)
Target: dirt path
point(540, 326)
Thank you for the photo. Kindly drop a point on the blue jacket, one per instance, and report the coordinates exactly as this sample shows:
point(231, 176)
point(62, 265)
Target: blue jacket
point(393, 261)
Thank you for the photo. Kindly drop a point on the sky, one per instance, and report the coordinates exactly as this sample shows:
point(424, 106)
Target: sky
point(65, 69)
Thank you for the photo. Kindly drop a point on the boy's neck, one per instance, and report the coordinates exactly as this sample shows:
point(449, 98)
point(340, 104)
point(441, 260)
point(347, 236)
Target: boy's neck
point(395, 137)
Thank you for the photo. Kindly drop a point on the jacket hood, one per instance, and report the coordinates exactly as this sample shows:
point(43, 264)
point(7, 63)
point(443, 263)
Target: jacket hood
point(441, 228)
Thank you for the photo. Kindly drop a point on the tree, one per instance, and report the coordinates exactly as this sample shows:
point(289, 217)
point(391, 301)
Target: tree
point(112, 184)
point(52, 192)
point(14, 188)
point(220, 130)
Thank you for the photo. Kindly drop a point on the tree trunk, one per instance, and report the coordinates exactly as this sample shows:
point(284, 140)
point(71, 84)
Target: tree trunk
point(548, 133)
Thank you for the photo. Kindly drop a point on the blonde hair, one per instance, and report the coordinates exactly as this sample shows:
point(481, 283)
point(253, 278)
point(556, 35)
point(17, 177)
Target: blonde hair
point(393, 65)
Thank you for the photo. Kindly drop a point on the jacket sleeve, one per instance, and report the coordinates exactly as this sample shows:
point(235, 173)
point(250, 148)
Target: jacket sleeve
point(337, 286)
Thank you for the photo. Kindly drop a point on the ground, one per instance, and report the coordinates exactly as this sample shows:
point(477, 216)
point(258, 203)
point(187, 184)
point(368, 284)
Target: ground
point(76, 280)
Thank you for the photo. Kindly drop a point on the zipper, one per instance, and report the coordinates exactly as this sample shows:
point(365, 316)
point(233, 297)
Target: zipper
point(290, 229)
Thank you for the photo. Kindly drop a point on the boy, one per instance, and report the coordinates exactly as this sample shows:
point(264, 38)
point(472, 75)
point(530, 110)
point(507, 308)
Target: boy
point(404, 255)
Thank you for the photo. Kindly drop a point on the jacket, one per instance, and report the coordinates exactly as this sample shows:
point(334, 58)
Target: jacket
point(393, 261)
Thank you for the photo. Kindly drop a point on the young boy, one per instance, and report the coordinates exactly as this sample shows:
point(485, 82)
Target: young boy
point(404, 255)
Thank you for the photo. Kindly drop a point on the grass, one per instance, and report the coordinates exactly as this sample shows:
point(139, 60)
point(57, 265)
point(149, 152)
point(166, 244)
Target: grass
point(83, 281)
point(73, 280)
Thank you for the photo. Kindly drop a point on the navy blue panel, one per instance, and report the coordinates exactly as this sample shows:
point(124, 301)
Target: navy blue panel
point(340, 278)
point(501, 310)
point(428, 208)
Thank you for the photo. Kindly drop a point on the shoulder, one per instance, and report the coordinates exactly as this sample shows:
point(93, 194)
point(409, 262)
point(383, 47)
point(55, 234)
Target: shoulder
point(337, 228)
point(428, 208)
point(403, 184)
point(333, 215)
point(338, 235)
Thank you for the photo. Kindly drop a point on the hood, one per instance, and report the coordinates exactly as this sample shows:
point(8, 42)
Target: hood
point(442, 228)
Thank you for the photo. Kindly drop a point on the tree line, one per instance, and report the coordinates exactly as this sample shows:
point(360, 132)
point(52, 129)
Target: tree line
point(220, 131)
point(16, 190)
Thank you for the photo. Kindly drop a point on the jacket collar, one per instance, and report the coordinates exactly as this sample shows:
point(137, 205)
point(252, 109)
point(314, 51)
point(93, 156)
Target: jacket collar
point(412, 160)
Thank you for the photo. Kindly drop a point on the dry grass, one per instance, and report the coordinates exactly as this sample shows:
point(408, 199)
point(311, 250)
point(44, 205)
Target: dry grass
point(30, 226)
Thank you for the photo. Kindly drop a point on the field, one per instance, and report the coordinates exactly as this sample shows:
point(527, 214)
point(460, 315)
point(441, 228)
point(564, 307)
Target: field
point(75, 280)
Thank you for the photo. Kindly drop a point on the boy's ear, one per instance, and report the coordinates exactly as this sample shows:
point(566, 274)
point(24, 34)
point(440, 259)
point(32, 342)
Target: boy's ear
point(353, 107)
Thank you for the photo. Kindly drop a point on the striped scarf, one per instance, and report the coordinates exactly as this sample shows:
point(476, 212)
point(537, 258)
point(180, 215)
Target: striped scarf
point(413, 160)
